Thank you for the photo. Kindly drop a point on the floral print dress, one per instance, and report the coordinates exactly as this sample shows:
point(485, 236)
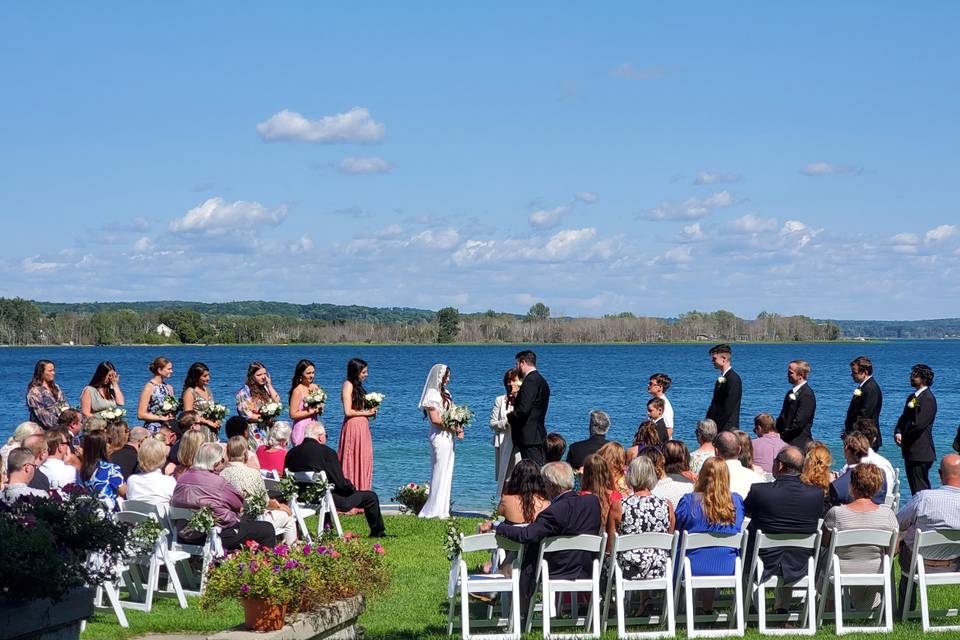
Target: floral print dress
point(155, 405)
point(644, 514)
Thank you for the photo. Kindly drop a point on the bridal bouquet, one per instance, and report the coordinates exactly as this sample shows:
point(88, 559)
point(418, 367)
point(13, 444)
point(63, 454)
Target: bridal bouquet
point(412, 497)
point(373, 400)
point(270, 410)
point(213, 411)
point(169, 406)
point(315, 398)
point(112, 414)
point(457, 417)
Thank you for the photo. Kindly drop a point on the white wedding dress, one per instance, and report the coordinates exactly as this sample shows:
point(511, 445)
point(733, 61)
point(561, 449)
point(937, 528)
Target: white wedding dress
point(441, 450)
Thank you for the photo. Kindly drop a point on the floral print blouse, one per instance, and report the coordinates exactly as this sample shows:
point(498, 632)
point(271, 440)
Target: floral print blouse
point(45, 406)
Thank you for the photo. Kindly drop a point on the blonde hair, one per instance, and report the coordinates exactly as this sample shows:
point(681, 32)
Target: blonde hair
point(151, 455)
point(615, 456)
point(237, 448)
point(713, 484)
point(596, 479)
point(816, 467)
point(189, 445)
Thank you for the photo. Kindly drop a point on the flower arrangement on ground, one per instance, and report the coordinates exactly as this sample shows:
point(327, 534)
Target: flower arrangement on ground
point(412, 497)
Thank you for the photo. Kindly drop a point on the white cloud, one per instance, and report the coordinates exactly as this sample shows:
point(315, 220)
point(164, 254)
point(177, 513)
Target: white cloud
point(750, 223)
point(143, 244)
point(548, 218)
point(691, 233)
point(826, 169)
point(629, 72)
point(678, 255)
point(565, 242)
point(355, 125)
point(705, 177)
point(906, 238)
point(690, 209)
point(441, 239)
point(586, 197)
point(363, 166)
point(792, 226)
point(33, 264)
point(940, 233)
point(217, 217)
point(303, 245)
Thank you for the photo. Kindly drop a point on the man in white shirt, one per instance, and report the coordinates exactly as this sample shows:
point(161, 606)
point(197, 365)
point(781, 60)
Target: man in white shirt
point(727, 446)
point(657, 387)
point(55, 467)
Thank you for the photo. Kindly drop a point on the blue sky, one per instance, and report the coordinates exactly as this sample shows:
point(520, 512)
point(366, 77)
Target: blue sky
point(622, 157)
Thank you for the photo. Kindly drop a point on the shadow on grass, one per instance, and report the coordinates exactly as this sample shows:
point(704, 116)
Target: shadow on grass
point(432, 631)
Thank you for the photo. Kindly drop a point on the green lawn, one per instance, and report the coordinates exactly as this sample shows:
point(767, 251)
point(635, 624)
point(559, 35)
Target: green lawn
point(414, 606)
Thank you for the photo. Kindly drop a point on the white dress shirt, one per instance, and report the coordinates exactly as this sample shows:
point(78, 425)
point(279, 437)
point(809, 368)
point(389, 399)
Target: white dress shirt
point(741, 478)
point(59, 473)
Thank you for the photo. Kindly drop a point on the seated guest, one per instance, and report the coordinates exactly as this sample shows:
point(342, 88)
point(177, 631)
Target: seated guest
point(768, 442)
point(272, 454)
point(92, 424)
point(123, 452)
point(250, 484)
point(861, 513)
point(644, 512)
point(727, 446)
point(568, 514)
point(189, 444)
point(23, 431)
point(169, 433)
point(928, 510)
point(868, 427)
point(598, 480)
point(615, 456)
point(21, 466)
point(676, 481)
point(55, 467)
point(37, 444)
point(855, 447)
point(150, 484)
point(713, 508)
point(655, 408)
point(313, 454)
point(72, 420)
point(816, 467)
point(706, 432)
point(524, 494)
point(599, 426)
point(553, 447)
point(786, 505)
point(746, 453)
point(99, 475)
point(200, 486)
point(646, 436)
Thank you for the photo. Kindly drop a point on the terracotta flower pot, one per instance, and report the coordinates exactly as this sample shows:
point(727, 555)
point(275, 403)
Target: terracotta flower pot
point(263, 615)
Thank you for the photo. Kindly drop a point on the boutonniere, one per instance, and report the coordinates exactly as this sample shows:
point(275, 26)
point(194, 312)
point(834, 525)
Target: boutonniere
point(857, 392)
point(793, 397)
point(721, 379)
point(913, 402)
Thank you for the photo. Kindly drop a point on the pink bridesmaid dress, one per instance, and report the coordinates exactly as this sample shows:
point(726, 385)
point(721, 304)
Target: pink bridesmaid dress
point(299, 428)
point(356, 452)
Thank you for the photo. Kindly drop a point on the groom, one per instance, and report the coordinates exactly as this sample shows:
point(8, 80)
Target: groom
point(530, 410)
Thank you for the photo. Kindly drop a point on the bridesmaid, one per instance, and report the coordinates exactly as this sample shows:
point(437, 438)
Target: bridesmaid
point(257, 392)
point(356, 447)
point(103, 392)
point(44, 397)
point(302, 386)
point(153, 395)
point(196, 395)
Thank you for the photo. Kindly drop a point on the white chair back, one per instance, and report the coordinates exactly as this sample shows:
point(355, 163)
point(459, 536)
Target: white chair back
point(943, 542)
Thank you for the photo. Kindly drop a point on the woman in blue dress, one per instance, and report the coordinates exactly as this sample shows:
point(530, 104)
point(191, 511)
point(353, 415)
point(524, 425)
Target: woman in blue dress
point(100, 476)
point(157, 403)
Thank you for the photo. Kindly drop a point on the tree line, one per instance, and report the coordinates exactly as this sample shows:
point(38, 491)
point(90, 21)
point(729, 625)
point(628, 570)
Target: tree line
point(24, 322)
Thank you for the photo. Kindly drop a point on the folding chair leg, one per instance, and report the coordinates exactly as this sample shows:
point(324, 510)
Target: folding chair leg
point(515, 609)
point(465, 615)
point(924, 604)
point(111, 590)
point(453, 601)
point(173, 580)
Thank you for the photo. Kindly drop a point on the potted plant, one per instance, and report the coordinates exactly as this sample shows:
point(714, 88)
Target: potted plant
point(46, 576)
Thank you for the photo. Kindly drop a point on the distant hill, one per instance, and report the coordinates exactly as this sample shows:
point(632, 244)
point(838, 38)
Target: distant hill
point(900, 329)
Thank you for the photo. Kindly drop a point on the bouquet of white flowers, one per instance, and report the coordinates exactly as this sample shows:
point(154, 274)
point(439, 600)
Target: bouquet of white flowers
point(270, 410)
point(315, 398)
point(169, 406)
point(457, 417)
point(213, 411)
point(112, 414)
point(373, 400)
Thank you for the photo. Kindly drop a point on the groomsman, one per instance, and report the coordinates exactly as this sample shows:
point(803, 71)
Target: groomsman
point(530, 410)
point(867, 399)
point(795, 423)
point(727, 391)
point(914, 432)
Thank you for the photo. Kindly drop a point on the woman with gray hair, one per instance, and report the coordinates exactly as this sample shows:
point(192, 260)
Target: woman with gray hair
point(272, 454)
point(706, 432)
point(644, 512)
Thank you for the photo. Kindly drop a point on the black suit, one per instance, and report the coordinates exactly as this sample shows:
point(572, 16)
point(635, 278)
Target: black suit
point(568, 514)
point(580, 450)
point(915, 427)
point(662, 430)
point(866, 405)
point(725, 405)
point(795, 423)
point(528, 417)
point(310, 455)
point(784, 506)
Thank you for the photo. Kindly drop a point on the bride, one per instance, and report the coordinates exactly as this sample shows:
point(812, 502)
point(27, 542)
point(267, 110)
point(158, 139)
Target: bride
point(434, 401)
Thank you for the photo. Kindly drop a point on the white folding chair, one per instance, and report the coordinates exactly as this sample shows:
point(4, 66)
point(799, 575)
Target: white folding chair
point(757, 586)
point(551, 588)
point(325, 507)
point(618, 588)
point(690, 582)
point(836, 580)
point(139, 587)
point(210, 549)
point(464, 583)
point(919, 580)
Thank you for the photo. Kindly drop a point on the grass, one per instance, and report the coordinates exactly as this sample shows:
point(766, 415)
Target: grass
point(413, 607)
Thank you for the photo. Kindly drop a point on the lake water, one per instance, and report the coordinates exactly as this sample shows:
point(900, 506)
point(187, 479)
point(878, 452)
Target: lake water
point(582, 378)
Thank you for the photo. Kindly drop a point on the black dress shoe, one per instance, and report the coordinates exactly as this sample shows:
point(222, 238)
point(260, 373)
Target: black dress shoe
point(382, 534)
